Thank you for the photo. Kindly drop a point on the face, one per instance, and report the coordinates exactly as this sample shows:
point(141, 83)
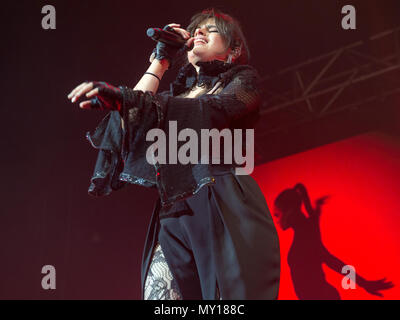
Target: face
point(208, 44)
point(282, 217)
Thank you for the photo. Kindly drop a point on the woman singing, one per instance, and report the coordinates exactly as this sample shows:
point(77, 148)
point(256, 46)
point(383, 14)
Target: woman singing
point(211, 235)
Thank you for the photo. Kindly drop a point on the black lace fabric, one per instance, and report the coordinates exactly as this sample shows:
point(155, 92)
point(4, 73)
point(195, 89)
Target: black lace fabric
point(160, 284)
point(122, 154)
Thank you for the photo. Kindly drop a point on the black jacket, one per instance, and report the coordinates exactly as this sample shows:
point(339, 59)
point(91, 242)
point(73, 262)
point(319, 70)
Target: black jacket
point(122, 153)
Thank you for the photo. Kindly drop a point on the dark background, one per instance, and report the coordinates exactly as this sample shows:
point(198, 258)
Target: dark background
point(46, 215)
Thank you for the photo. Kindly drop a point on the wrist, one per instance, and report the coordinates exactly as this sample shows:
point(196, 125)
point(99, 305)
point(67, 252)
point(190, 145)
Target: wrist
point(161, 65)
point(158, 67)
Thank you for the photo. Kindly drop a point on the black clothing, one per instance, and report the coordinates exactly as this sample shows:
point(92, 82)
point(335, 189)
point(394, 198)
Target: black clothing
point(214, 226)
point(122, 155)
point(221, 239)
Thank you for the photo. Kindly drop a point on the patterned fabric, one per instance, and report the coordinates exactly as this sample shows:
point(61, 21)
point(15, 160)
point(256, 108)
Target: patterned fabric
point(160, 284)
point(122, 155)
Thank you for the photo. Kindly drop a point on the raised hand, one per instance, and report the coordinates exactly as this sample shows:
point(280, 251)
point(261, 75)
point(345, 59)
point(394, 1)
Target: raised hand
point(321, 201)
point(104, 96)
point(375, 286)
point(165, 51)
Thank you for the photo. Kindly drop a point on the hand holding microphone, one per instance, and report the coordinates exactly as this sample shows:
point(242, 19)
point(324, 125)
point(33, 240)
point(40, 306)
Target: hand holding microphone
point(169, 35)
point(105, 96)
point(170, 40)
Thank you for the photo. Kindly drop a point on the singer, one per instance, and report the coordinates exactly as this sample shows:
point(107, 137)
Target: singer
point(211, 235)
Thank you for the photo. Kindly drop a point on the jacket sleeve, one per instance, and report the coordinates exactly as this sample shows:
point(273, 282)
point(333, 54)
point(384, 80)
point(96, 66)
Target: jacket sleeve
point(107, 138)
point(122, 152)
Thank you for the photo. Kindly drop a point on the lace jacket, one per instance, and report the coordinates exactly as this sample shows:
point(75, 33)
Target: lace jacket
point(122, 151)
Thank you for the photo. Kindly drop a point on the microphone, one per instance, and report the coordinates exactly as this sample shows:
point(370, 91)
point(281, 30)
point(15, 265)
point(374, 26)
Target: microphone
point(165, 36)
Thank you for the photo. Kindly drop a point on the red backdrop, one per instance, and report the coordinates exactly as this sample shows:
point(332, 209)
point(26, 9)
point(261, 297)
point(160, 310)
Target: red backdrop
point(360, 221)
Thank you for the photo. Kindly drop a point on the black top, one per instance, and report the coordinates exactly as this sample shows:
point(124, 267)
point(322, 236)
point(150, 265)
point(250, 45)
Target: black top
point(122, 153)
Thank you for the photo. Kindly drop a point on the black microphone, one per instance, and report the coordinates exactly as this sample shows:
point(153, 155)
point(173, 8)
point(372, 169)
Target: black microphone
point(165, 36)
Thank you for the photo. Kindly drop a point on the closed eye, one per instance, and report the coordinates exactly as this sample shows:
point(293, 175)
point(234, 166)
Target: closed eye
point(210, 28)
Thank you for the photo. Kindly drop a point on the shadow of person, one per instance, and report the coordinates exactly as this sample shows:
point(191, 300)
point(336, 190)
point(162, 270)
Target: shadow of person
point(307, 252)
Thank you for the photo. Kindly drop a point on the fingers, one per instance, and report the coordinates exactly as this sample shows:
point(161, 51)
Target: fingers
point(85, 87)
point(189, 42)
point(83, 90)
point(92, 92)
point(80, 90)
point(386, 284)
point(86, 104)
point(185, 34)
point(76, 90)
point(389, 285)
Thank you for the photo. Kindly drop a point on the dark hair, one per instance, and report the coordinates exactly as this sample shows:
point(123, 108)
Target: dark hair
point(288, 199)
point(228, 27)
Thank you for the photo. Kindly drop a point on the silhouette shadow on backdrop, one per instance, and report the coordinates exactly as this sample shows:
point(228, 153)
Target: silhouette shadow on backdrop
point(307, 252)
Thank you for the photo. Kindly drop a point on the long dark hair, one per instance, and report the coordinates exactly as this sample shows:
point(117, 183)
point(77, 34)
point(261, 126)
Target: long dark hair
point(228, 27)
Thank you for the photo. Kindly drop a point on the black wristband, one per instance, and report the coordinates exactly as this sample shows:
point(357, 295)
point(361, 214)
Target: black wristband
point(153, 75)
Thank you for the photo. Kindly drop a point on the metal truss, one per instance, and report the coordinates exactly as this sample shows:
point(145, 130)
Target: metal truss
point(344, 79)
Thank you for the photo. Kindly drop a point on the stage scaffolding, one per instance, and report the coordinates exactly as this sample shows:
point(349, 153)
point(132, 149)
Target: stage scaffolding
point(343, 80)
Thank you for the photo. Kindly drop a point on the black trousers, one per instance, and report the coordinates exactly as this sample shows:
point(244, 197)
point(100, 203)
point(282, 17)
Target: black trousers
point(220, 240)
